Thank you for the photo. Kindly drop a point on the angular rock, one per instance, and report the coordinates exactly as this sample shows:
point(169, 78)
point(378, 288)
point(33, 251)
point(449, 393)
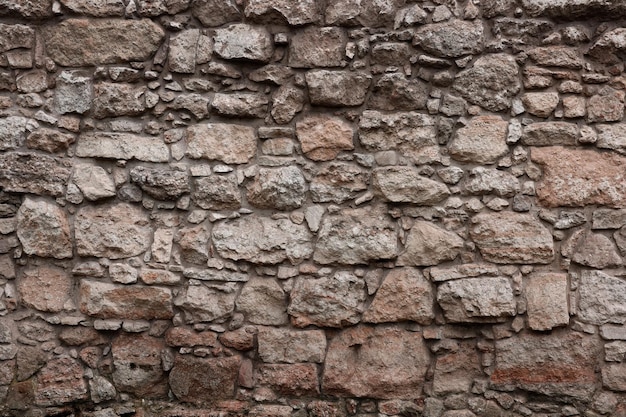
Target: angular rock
point(290, 380)
point(455, 371)
point(613, 377)
point(118, 99)
point(409, 16)
point(508, 237)
point(440, 274)
point(15, 36)
point(109, 301)
point(550, 370)
point(427, 244)
point(137, 365)
point(114, 232)
point(370, 13)
point(264, 302)
point(73, 92)
point(60, 382)
point(83, 42)
point(43, 229)
point(45, 288)
point(348, 373)
point(200, 380)
point(29, 360)
point(281, 345)
point(49, 140)
point(216, 12)
point(124, 146)
point(181, 336)
point(477, 300)
point(540, 104)
point(412, 134)
point(317, 47)
point(241, 41)
point(205, 303)
point(404, 185)
point(107, 8)
point(193, 243)
point(356, 236)
point(608, 48)
point(153, 8)
point(391, 53)
point(101, 389)
point(571, 11)
point(159, 277)
point(606, 106)
point(602, 298)
point(287, 102)
point(486, 181)
point(93, 181)
point(182, 51)
point(278, 188)
point(597, 251)
point(217, 192)
point(240, 104)
point(33, 173)
point(337, 88)
point(27, 9)
point(12, 132)
point(556, 56)
point(323, 137)
point(283, 11)
point(547, 300)
point(405, 294)
point(608, 219)
point(396, 92)
point(550, 134)
point(483, 141)
point(491, 82)
point(229, 143)
point(612, 136)
point(335, 301)
point(451, 39)
point(580, 177)
point(161, 184)
point(262, 240)
point(338, 182)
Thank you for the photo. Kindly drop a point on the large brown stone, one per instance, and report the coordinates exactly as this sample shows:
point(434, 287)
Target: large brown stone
point(400, 184)
point(110, 301)
point(137, 364)
point(45, 288)
point(580, 177)
point(216, 12)
point(405, 294)
point(549, 369)
point(278, 188)
point(282, 345)
point(483, 141)
point(82, 42)
point(43, 229)
point(508, 237)
point(323, 137)
point(376, 362)
point(241, 41)
point(229, 143)
point(60, 382)
point(338, 182)
point(397, 92)
point(371, 13)
point(337, 88)
point(33, 173)
point(289, 379)
point(15, 36)
point(204, 380)
point(118, 99)
point(281, 11)
point(455, 371)
point(115, 232)
point(427, 244)
point(317, 47)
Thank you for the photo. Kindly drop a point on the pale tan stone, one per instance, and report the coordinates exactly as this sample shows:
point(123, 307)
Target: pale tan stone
point(483, 141)
point(45, 288)
point(229, 143)
point(43, 229)
point(547, 301)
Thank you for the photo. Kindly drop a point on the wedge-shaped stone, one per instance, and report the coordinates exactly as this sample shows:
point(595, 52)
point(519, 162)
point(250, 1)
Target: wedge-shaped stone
point(33, 173)
point(405, 294)
point(114, 232)
point(229, 143)
point(83, 42)
point(291, 346)
point(353, 363)
point(580, 177)
point(477, 300)
point(547, 299)
point(401, 184)
point(262, 240)
point(356, 237)
point(483, 141)
point(550, 369)
point(43, 229)
point(451, 39)
point(508, 237)
point(110, 301)
point(427, 244)
point(125, 146)
point(602, 298)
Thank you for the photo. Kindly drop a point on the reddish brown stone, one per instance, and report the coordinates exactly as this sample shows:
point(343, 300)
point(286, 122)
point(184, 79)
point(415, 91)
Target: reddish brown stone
point(180, 336)
point(456, 371)
point(60, 382)
point(323, 137)
point(240, 339)
point(291, 380)
point(45, 288)
point(76, 336)
point(204, 380)
point(580, 177)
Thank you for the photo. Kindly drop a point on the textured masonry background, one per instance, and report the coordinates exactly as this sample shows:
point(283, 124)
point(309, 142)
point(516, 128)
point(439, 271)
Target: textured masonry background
point(312, 208)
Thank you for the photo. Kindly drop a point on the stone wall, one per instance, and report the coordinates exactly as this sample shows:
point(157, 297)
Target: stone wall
point(275, 208)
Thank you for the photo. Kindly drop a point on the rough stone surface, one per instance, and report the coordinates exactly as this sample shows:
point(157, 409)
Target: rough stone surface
point(43, 229)
point(241, 41)
point(93, 182)
point(550, 134)
point(451, 39)
point(323, 137)
point(427, 244)
point(217, 192)
point(266, 11)
point(33, 173)
point(405, 185)
point(264, 302)
point(125, 146)
point(601, 298)
point(317, 47)
point(546, 297)
point(396, 92)
point(278, 188)
point(455, 371)
point(291, 346)
point(12, 132)
point(49, 140)
point(200, 380)
point(229, 143)
point(45, 288)
point(338, 182)
point(483, 141)
point(159, 183)
point(193, 301)
point(60, 382)
point(337, 88)
point(137, 362)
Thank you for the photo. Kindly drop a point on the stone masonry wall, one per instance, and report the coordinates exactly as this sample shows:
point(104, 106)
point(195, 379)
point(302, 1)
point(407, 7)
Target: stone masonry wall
point(312, 208)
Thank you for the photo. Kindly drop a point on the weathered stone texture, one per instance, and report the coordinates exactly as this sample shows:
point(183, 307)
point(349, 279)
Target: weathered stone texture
point(291, 346)
point(33, 173)
point(546, 296)
point(241, 41)
point(194, 379)
point(229, 143)
point(427, 244)
point(43, 229)
point(405, 185)
point(483, 141)
point(451, 39)
point(45, 288)
point(125, 146)
point(322, 137)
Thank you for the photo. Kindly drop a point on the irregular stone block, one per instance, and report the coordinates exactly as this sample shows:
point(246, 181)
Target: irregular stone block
point(137, 365)
point(547, 301)
point(612, 136)
point(215, 12)
point(45, 288)
point(508, 237)
point(397, 92)
point(240, 104)
point(281, 345)
point(229, 143)
point(550, 134)
point(263, 301)
point(96, 8)
point(12, 132)
point(205, 303)
point(556, 56)
point(153, 8)
point(477, 300)
point(567, 10)
point(427, 244)
point(594, 250)
point(400, 184)
point(93, 181)
point(614, 376)
point(550, 369)
point(290, 380)
point(15, 36)
point(83, 42)
point(323, 137)
point(455, 371)
point(73, 92)
point(182, 51)
point(193, 243)
point(49, 140)
point(241, 41)
point(60, 382)
point(405, 294)
point(262, 240)
point(161, 184)
point(335, 301)
point(483, 141)
point(118, 99)
point(33, 173)
point(606, 106)
point(608, 219)
point(602, 298)
point(43, 229)
point(370, 13)
point(124, 146)
point(283, 11)
point(114, 232)
point(451, 39)
point(217, 192)
point(580, 177)
point(317, 47)
point(338, 182)
point(279, 188)
point(487, 181)
point(356, 236)
point(337, 88)
point(199, 380)
point(349, 374)
point(109, 301)
point(286, 103)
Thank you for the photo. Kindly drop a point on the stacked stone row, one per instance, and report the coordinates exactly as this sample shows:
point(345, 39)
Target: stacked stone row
point(314, 208)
